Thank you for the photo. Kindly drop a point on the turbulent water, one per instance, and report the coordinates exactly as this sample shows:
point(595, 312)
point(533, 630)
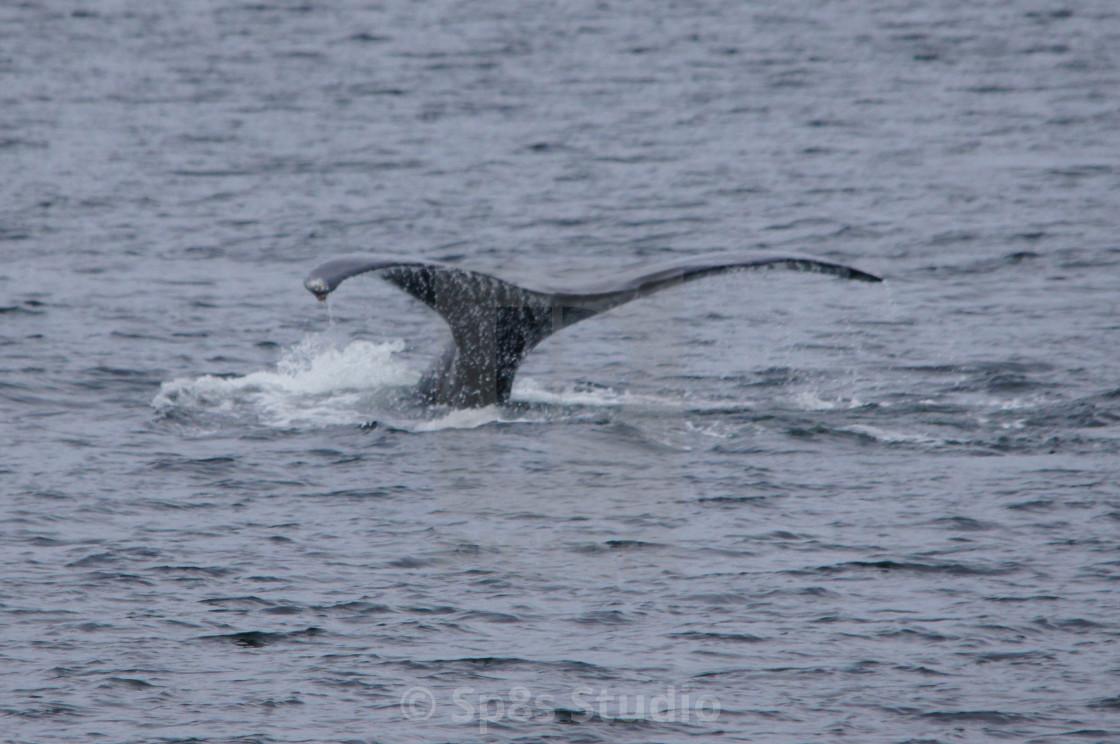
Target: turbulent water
point(766, 507)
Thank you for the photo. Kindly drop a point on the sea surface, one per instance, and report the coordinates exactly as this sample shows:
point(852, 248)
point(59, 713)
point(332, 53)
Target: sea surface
point(767, 507)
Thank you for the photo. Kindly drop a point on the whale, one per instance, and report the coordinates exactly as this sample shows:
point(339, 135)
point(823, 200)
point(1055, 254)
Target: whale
point(495, 323)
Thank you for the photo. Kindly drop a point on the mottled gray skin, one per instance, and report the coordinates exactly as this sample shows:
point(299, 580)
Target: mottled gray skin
point(494, 324)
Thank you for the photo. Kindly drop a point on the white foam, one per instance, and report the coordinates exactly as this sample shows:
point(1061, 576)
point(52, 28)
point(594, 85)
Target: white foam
point(528, 390)
point(315, 383)
point(715, 431)
point(810, 400)
point(891, 436)
point(466, 418)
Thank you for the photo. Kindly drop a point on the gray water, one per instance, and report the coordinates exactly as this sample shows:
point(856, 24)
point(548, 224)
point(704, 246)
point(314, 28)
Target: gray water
point(769, 507)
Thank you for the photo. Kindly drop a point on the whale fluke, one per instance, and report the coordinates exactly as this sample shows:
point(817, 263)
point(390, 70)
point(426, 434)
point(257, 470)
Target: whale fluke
point(494, 323)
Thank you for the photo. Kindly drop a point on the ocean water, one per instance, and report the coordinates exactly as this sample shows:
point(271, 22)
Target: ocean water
point(768, 507)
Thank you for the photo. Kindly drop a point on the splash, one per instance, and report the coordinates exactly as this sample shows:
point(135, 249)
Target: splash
point(315, 383)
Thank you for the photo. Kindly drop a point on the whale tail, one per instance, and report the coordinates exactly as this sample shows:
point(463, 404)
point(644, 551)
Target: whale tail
point(494, 323)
